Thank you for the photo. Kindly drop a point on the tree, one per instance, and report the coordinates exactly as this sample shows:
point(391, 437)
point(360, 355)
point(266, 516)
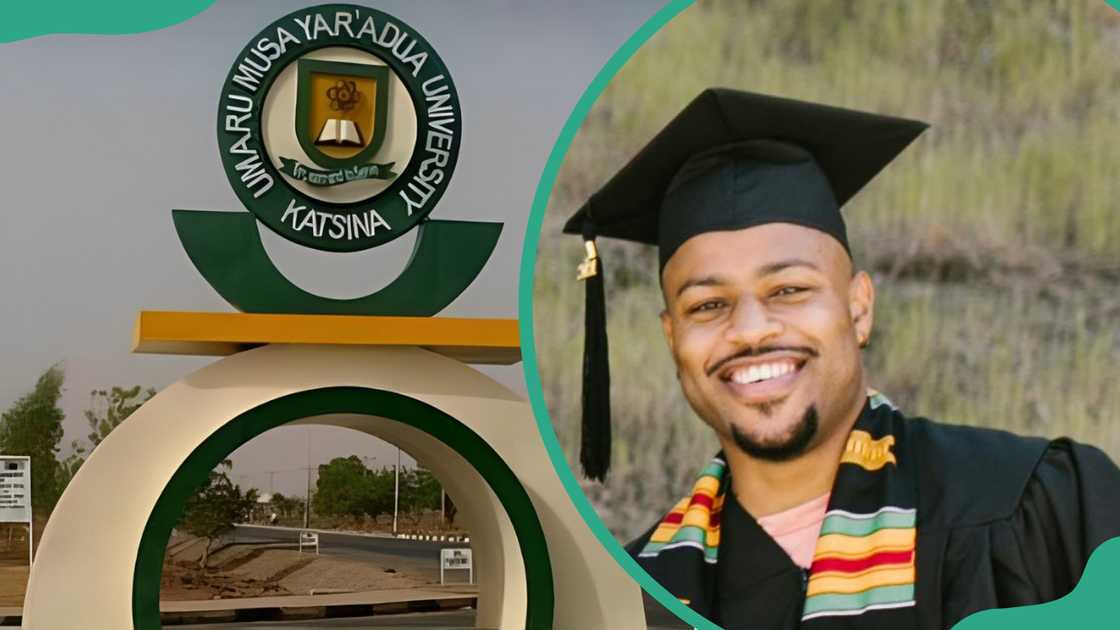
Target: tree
point(420, 491)
point(423, 490)
point(68, 467)
point(215, 507)
point(380, 500)
point(344, 487)
point(107, 409)
point(286, 506)
point(33, 426)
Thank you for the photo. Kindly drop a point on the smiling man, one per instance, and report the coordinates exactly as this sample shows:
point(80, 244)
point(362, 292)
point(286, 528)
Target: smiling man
point(827, 507)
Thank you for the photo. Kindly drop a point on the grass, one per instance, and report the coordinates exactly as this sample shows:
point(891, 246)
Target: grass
point(993, 239)
point(1012, 359)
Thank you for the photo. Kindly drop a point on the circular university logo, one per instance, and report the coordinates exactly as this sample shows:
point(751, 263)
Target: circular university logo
point(339, 127)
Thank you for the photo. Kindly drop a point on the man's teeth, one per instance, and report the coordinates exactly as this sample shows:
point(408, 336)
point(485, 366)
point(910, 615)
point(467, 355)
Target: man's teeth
point(763, 372)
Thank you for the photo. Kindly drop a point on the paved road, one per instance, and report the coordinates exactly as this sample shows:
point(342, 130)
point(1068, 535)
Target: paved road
point(349, 544)
point(417, 557)
point(457, 620)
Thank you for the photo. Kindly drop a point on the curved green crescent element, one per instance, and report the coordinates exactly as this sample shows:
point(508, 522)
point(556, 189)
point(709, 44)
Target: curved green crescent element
point(358, 400)
point(226, 249)
point(23, 20)
point(525, 315)
point(1090, 603)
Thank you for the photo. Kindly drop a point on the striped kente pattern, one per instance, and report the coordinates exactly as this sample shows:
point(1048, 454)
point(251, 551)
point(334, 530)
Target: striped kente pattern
point(694, 521)
point(862, 562)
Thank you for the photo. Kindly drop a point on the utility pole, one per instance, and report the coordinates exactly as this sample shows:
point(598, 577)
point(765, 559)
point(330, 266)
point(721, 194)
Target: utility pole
point(307, 497)
point(396, 489)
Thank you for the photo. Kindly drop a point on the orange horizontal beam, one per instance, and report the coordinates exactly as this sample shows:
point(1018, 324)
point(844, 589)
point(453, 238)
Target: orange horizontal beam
point(466, 339)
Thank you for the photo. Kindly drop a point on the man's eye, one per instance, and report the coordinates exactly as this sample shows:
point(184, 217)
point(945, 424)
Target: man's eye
point(710, 305)
point(787, 291)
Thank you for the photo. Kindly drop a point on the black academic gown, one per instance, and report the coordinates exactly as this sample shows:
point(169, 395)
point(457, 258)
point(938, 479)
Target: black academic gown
point(1001, 521)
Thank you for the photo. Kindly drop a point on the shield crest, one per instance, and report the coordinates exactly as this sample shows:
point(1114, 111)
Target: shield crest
point(341, 111)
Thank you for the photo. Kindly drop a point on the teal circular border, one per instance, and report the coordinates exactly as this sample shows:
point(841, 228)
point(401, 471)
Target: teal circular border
point(359, 400)
point(525, 314)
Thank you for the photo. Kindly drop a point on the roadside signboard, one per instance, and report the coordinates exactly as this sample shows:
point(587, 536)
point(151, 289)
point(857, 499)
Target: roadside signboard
point(309, 539)
point(15, 489)
point(15, 494)
point(450, 558)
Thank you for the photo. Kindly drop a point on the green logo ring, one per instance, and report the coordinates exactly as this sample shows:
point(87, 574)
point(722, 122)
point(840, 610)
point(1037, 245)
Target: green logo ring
point(296, 216)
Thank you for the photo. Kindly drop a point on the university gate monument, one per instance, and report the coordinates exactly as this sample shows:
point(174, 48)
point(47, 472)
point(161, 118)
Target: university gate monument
point(339, 128)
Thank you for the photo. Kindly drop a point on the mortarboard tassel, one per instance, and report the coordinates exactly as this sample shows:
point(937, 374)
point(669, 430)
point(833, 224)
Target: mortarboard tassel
point(595, 444)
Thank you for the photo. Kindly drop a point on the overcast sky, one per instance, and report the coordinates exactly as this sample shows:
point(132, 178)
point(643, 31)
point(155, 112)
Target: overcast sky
point(103, 136)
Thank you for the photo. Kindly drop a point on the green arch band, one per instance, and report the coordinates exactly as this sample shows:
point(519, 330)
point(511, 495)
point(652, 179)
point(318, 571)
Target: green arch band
point(226, 249)
point(356, 400)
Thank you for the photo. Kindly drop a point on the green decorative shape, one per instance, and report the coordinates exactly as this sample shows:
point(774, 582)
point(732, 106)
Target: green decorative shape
point(1088, 606)
point(357, 400)
point(226, 249)
point(525, 315)
point(23, 20)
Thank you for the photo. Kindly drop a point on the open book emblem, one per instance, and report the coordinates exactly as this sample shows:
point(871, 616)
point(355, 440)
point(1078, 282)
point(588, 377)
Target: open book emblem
point(341, 111)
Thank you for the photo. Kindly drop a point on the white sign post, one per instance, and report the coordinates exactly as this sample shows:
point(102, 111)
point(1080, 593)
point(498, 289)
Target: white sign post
point(456, 559)
point(15, 495)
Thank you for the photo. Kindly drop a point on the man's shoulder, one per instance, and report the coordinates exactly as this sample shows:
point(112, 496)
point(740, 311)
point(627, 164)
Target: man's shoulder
point(972, 445)
point(970, 475)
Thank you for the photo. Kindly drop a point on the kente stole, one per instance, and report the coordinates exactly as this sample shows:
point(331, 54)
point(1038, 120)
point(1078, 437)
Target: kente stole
point(864, 558)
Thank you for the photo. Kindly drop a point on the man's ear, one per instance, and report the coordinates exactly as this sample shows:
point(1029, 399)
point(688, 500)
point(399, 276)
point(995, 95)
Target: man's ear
point(667, 328)
point(861, 306)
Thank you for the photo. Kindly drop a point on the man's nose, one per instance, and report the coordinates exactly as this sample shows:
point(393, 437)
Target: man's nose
point(751, 323)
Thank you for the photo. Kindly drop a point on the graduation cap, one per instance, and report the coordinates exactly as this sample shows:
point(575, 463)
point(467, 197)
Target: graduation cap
point(728, 161)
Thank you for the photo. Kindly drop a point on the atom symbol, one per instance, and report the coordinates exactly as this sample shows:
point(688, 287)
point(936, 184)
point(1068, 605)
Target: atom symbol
point(344, 95)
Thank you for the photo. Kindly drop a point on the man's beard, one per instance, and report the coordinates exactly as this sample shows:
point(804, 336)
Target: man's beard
point(785, 450)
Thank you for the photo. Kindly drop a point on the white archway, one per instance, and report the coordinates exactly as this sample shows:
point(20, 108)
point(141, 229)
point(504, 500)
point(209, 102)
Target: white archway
point(86, 570)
